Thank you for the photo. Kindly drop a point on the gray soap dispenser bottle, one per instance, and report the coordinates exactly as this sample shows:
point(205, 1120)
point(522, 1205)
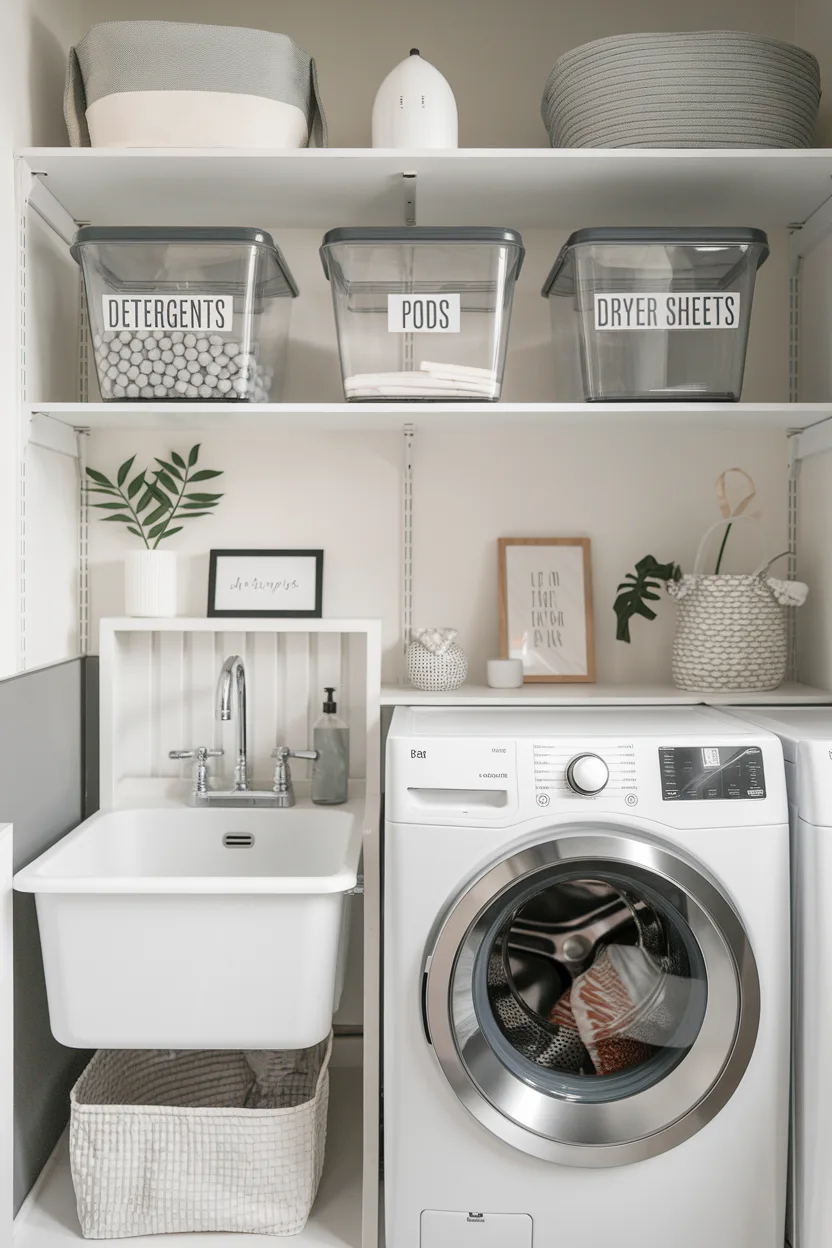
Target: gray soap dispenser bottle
point(330, 771)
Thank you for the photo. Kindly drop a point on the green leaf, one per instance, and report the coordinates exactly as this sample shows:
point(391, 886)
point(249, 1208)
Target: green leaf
point(156, 493)
point(177, 459)
point(157, 529)
point(204, 498)
point(145, 500)
point(111, 506)
point(193, 455)
point(205, 474)
point(135, 485)
point(117, 516)
point(155, 515)
point(196, 506)
point(102, 489)
point(170, 533)
point(99, 477)
point(167, 481)
point(637, 589)
point(174, 472)
point(194, 515)
point(137, 532)
point(124, 470)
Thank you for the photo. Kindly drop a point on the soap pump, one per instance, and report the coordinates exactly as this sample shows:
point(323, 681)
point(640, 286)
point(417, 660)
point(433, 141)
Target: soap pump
point(331, 740)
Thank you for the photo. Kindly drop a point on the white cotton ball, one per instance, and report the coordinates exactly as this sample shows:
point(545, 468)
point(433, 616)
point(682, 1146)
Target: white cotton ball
point(205, 392)
point(156, 379)
point(170, 377)
point(189, 340)
point(180, 387)
point(215, 339)
point(184, 374)
point(192, 392)
point(142, 381)
point(123, 366)
point(145, 367)
point(108, 335)
point(215, 349)
point(223, 360)
point(232, 348)
point(97, 340)
point(136, 357)
point(160, 391)
point(125, 335)
point(197, 379)
point(176, 335)
point(190, 353)
point(202, 344)
point(240, 359)
point(119, 392)
point(132, 392)
point(154, 354)
point(165, 343)
point(212, 369)
point(203, 358)
point(239, 385)
point(167, 357)
point(178, 349)
point(210, 381)
point(112, 372)
point(135, 344)
point(132, 372)
point(142, 334)
point(223, 385)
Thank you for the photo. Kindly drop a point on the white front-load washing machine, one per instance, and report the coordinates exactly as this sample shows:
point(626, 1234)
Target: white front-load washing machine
point(806, 735)
point(586, 980)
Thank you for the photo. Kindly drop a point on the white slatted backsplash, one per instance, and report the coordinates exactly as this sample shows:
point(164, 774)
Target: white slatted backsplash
point(165, 688)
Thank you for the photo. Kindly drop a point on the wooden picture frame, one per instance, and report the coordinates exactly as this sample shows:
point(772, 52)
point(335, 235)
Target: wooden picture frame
point(545, 586)
point(288, 582)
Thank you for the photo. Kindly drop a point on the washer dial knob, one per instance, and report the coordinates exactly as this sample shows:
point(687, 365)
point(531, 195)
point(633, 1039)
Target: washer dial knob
point(587, 774)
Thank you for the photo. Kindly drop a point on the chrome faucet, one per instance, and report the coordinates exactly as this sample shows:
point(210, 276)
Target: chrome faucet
point(283, 789)
point(233, 676)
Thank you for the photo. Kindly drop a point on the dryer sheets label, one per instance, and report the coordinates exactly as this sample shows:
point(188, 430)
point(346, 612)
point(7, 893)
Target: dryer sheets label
point(423, 314)
point(665, 311)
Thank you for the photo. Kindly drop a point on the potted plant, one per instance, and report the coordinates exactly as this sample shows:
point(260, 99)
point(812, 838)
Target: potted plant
point(731, 629)
point(153, 505)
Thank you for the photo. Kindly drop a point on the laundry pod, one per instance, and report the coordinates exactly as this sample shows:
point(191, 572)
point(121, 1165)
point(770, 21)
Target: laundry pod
point(415, 107)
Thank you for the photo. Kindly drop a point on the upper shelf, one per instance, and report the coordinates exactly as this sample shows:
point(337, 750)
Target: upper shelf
point(600, 695)
point(526, 188)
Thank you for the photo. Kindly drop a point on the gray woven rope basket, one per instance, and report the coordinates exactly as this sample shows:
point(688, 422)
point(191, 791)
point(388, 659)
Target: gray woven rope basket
point(699, 89)
point(198, 1141)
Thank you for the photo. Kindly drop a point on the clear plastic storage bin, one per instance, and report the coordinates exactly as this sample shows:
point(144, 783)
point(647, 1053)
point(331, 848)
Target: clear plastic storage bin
point(190, 314)
point(423, 312)
point(660, 313)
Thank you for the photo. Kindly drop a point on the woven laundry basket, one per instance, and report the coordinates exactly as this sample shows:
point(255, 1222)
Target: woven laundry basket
point(731, 630)
point(695, 89)
point(182, 84)
point(198, 1141)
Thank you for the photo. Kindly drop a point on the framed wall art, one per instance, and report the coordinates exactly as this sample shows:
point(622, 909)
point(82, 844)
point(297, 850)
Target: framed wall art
point(546, 607)
point(266, 584)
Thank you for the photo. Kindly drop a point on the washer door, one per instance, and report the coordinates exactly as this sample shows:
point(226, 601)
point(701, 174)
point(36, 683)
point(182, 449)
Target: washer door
point(593, 999)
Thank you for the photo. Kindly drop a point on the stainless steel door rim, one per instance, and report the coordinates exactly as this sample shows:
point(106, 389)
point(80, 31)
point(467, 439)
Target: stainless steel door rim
point(608, 1132)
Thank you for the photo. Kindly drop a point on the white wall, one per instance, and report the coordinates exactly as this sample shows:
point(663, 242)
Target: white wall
point(496, 56)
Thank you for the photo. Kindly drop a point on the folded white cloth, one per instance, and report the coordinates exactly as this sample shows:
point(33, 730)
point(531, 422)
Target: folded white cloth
point(430, 380)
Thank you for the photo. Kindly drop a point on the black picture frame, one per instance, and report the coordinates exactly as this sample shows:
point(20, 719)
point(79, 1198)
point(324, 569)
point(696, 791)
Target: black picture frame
point(314, 613)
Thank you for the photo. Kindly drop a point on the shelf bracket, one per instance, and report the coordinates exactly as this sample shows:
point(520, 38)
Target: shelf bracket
point(34, 194)
point(409, 189)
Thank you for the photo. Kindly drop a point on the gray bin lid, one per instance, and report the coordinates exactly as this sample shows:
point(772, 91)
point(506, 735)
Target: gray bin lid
point(561, 279)
point(96, 235)
point(395, 235)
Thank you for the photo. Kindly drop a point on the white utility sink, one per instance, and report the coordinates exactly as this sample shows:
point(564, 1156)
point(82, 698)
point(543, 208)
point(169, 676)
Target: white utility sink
point(178, 928)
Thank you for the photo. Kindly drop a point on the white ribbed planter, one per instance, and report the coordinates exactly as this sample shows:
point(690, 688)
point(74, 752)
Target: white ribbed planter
point(150, 582)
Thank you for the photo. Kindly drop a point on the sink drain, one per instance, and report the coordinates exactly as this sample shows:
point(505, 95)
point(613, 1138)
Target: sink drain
point(238, 840)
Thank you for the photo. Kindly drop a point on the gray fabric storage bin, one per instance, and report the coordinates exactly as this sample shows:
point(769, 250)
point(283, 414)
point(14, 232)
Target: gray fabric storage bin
point(718, 88)
point(198, 1141)
point(132, 65)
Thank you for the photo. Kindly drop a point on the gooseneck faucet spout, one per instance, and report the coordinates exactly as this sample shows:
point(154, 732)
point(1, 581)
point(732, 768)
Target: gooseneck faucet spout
point(233, 676)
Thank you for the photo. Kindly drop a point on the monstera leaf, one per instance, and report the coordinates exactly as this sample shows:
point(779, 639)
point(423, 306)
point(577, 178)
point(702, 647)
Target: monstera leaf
point(639, 588)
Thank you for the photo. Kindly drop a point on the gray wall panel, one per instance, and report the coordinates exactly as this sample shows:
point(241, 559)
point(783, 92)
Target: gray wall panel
point(42, 792)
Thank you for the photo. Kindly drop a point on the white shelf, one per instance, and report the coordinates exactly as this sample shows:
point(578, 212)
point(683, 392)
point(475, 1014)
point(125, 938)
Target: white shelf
point(48, 1219)
point(380, 417)
point(600, 695)
point(523, 188)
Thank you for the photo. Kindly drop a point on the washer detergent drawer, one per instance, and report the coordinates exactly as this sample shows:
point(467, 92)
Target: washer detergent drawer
point(442, 1228)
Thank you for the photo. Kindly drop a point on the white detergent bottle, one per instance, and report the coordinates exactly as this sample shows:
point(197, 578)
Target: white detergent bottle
point(331, 769)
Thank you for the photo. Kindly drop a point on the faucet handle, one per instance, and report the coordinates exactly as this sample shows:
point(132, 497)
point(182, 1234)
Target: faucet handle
point(201, 753)
point(283, 752)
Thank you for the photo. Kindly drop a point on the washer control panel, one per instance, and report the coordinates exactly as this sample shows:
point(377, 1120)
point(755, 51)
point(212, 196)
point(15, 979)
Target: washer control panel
point(563, 770)
point(712, 773)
